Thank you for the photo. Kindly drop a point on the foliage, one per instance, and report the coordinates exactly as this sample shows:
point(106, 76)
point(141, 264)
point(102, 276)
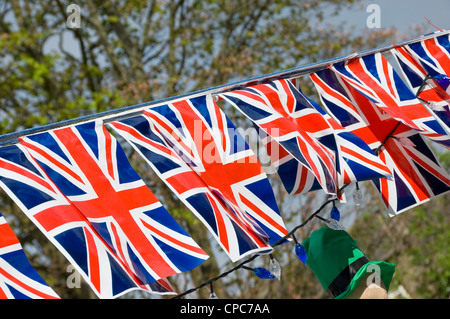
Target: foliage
point(416, 241)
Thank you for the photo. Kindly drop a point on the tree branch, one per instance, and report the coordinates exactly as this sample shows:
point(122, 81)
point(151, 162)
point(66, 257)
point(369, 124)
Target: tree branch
point(118, 68)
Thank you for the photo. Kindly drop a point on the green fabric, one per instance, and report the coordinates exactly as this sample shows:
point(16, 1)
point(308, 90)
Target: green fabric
point(386, 273)
point(329, 252)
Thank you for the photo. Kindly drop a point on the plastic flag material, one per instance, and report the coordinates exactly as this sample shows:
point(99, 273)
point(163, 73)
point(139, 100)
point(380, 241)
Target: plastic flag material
point(18, 279)
point(443, 81)
point(295, 176)
point(357, 162)
point(62, 223)
point(200, 155)
point(286, 116)
point(298, 128)
point(430, 56)
point(429, 61)
point(375, 78)
point(417, 175)
point(88, 166)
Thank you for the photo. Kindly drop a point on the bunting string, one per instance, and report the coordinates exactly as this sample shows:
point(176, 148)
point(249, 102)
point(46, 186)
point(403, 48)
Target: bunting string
point(290, 234)
point(250, 259)
point(391, 134)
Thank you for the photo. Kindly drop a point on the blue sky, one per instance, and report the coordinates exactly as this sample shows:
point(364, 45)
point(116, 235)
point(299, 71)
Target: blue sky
point(400, 13)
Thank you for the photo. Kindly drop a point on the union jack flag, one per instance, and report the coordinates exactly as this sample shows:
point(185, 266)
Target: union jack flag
point(295, 176)
point(375, 78)
point(357, 161)
point(417, 176)
point(430, 57)
point(18, 279)
point(298, 128)
point(91, 171)
point(62, 223)
point(198, 153)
